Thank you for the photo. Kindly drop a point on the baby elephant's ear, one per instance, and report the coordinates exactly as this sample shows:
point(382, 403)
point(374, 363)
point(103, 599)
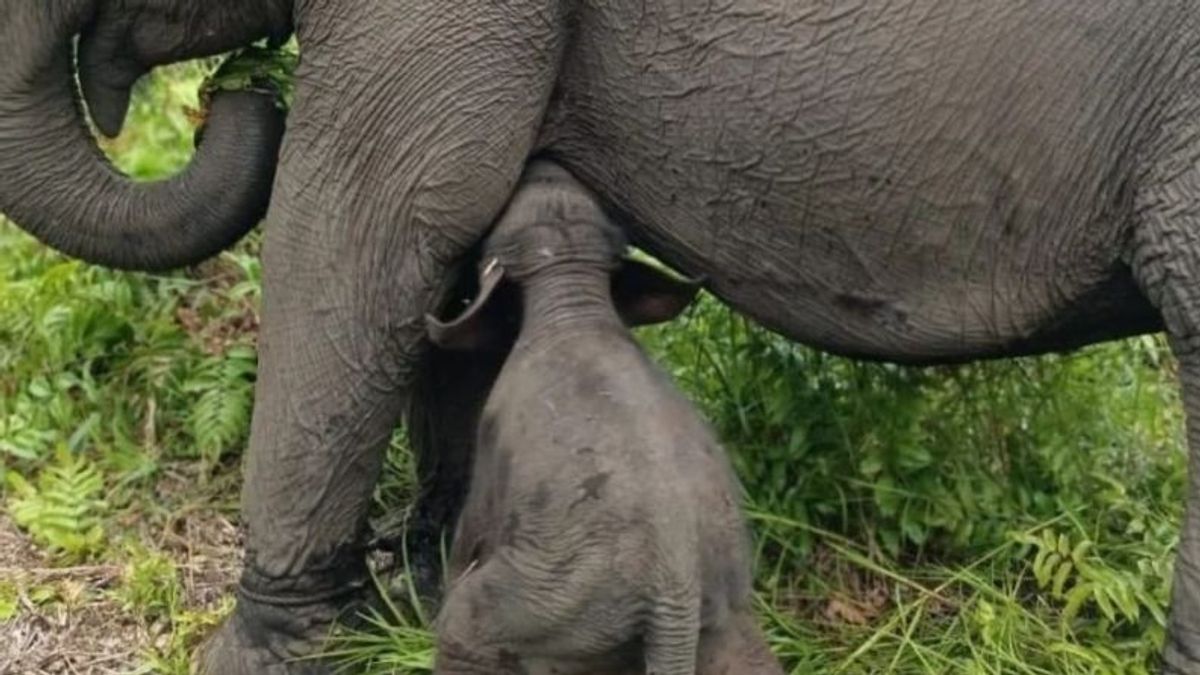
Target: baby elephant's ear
point(645, 295)
point(474, 328)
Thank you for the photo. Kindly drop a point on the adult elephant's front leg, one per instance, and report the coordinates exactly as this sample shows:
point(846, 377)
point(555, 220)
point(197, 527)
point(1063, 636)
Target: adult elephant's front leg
point(411, 125)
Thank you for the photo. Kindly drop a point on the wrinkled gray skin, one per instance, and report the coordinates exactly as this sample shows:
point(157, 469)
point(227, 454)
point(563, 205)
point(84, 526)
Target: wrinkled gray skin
point(601, 533)
point(55, 183)
point(914, 180)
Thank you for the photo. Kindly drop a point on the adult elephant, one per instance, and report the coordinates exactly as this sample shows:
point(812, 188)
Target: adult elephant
point(916, 181)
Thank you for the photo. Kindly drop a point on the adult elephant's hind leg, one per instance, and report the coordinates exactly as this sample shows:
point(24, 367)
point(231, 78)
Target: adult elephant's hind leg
point(1166, 262)
point(410, 127)
point(443, 419)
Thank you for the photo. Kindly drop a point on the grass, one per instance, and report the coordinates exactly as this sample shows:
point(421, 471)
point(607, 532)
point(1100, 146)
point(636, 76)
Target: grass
point(1012, 517)
point(1004, 517)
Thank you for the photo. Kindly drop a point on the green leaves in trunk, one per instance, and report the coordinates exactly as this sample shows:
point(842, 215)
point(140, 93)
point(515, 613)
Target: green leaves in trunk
point(256, 69)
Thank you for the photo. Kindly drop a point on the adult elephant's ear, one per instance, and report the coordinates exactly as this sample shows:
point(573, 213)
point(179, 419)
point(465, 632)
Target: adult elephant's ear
point(645, 295)
point(476, 327)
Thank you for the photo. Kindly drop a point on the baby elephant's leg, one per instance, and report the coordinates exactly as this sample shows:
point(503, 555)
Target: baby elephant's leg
point(673, 635)
point(484, 615)
point(470, 631)
point(738, 648)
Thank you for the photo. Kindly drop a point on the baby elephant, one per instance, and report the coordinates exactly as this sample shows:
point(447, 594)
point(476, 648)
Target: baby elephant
point(601, 534)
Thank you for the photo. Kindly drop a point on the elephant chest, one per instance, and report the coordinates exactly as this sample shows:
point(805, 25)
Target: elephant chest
point(868, 181)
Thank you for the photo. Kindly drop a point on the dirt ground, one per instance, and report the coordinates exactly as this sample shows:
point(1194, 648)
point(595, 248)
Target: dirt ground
point(71, 620)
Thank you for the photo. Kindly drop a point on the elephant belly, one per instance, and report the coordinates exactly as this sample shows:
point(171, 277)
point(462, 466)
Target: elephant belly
point(868, 182)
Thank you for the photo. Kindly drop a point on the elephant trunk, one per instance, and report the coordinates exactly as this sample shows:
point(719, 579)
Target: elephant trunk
point(57, 185)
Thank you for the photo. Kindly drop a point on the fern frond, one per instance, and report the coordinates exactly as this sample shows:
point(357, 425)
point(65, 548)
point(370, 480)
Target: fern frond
point(64, 508)
point(220, 417)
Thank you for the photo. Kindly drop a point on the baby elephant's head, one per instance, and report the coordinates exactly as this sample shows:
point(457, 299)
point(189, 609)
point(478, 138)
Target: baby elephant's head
point(554, 227)
point(552, 224)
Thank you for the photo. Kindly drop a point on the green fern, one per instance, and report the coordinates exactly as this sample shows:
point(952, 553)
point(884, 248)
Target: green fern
point(1077, 578)
point(63, 509)
point(21, 439)
point(223, 388)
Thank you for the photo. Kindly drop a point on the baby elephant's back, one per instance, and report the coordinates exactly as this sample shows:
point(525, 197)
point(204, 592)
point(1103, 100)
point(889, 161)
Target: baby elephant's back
point(632, 456)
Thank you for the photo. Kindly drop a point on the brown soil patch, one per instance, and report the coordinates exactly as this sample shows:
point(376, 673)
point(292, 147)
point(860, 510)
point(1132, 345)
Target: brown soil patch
point(64, 622)
point(69, 620)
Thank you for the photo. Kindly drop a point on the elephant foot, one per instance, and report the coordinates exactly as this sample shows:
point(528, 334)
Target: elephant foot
point(1181, 656)
point(232, 652)
point(739, 648)
point(281, 635)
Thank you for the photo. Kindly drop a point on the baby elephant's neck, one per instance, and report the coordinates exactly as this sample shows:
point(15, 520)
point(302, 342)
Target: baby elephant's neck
point(563, 299)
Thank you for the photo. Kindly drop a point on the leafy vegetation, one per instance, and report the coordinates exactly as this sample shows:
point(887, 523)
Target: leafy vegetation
point(1004, 517)
point(1012, 516)
point(63, 510)
point(124, 404)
